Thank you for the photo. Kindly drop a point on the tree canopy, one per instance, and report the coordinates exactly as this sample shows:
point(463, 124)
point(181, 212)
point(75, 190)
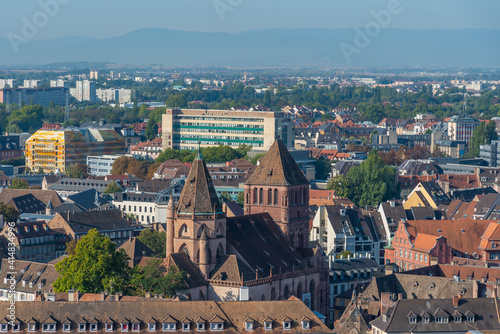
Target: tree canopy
point(112, 188)
point(368, 184)
point(156, 279)
point(96, 265)
point(20, 183)
point(482, 135)
point(138, 168)
point(220, 153)
point(77, 171)
point(155, 240)
point(10, 214)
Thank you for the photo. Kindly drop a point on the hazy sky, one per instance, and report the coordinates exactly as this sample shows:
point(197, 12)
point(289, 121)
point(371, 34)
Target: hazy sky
point(107, 18)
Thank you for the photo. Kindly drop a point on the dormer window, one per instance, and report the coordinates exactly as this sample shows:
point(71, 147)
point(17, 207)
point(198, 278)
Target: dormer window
point(425, 320)
point(93, 327)
point(216, 326)
point(82, 327)
point(168, 327)
point(442, 320)
point(31, 327)
point(136, 327)
point(16, 327)
point(287, 325)
point(268, 325)
point(186, 327)
point(49, 327)
point(4, 327)
point(200, 326)
point(458, 319)
point(152, 326)
point(413, 320)
point(109, 327)
point(125, 326)
point(249, 326)
point(306, 324)
point(470, 318)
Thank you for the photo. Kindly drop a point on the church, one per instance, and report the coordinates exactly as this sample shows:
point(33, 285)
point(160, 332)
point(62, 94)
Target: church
point(263, 255)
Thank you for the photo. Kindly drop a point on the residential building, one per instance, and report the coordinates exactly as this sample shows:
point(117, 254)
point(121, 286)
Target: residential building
point(42, 95)
point(280, 188)
point(420, 243)
point(101, 165)
point(54, 151)
point(185, 128)
point(125, 314)
point(42, 197)
point(413, 167)
point(338, 229)
point(461, 128)
point(107, 95)
point(31, 83)
point(172, 169)
point(35, 241)
point(490, 153)
point(68, 186)
point(11, 147)
point(109, 223)
point(85, 91)
point(8, 83)
point(32, 279)
point(59, 83)
point(451, 148)
point(148, 150)
point(347, 274)
point(426, 194)
point(453, 315)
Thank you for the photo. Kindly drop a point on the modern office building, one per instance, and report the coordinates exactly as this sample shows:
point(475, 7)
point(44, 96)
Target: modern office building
point(42, 96)
point(85, 91)
point(460, 128)
point(184, 128)
point(490, 153)
point(56, 150)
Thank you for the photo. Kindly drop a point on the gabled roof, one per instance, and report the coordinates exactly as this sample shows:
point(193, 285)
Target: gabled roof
point(89, 199)
point(108, 220)
point(43, 195)
point(277, 168)
point(135, 249)
point(198, 196)
point(230, 269)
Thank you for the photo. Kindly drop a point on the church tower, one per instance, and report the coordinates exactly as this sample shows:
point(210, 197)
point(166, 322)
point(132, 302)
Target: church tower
point(279, 188)
point(197, 226)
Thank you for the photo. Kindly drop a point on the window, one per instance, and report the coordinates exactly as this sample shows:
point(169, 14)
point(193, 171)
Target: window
point(287, 325)
point(109, 327)
point(16, 327)
point(152, 326)
point(136, 327)
point(82, 327)
point(441, 320)
point(200, 326)
point(470, 318)
point(413, 320)
point(268, 325)
point(31, 327)
point(249, 326)
point(169, 327)
point(458, 319)
point(49, 327)
point(125, 327)
point(4, 327)
point(186, 326)
point(306, 324)
point(93, 327)
point(425, 320)
point(216, 326)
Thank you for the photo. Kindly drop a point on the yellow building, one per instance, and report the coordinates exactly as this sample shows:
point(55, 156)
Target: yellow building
point(426, 194)
point(55, 150)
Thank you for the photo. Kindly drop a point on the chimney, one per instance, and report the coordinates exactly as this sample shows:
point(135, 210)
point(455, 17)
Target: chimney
point(73, 295)
point(103, 296)
point(148, 295)
point(475, 289)
point(392, 203)
point(118, 296)
point(348, 258)
point(455, 301)
point(400, 296)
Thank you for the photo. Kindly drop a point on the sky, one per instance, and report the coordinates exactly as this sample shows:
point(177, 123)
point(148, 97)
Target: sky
point(109, 18)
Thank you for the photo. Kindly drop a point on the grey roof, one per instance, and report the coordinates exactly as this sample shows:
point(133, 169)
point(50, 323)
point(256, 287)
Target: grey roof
point(40, 275)
point(109, 220)
point(484, 310)
point(89, 199)
point(69, 184)
point(354, 264)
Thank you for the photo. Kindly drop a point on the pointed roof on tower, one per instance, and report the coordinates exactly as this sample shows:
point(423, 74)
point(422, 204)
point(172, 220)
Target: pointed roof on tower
point(277, 168)
point(198, 196)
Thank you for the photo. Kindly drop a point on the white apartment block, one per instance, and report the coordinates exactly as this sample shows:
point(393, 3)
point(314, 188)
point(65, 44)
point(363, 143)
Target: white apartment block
point(85, 91)
point(31, 83)
point(59, 83)
point(101, 165)
point(7, 83)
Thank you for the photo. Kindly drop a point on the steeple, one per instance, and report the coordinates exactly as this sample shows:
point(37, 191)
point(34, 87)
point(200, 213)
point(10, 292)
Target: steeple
point(198, 197)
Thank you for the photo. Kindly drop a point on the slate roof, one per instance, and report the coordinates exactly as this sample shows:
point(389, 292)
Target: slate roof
point(262, 245)
point(43, 195)
point(198, 196)
point(277, 168)
point(231, 269)
point(89, 199)
point(194, 277)
point(29, 272)
point(397, 321)
point(469, 194)
point(27, 204)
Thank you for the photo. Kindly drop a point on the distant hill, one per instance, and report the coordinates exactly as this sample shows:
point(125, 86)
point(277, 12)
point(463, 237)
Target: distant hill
point(264, 48)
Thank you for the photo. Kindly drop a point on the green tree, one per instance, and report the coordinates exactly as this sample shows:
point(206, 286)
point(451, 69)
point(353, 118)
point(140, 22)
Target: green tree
point(241, 199)
point(155, 240)
point(10, 214)
point(256, 158)
point(151, 129)
point(96, 265)
point(225, 197)
point(28, 118)
point(112, 188)
point(20, 183)
point(77, 171)
point(155, 278)
point(368, 184)
point(482, 135)
point(267, 99)
point(323, 168)
point(70, 247)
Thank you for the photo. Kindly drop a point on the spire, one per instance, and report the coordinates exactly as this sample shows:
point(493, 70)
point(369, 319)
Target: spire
point(198, 196)
point(170, 204)
point(199, 156)
point(49, 205)
point(278, 168)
